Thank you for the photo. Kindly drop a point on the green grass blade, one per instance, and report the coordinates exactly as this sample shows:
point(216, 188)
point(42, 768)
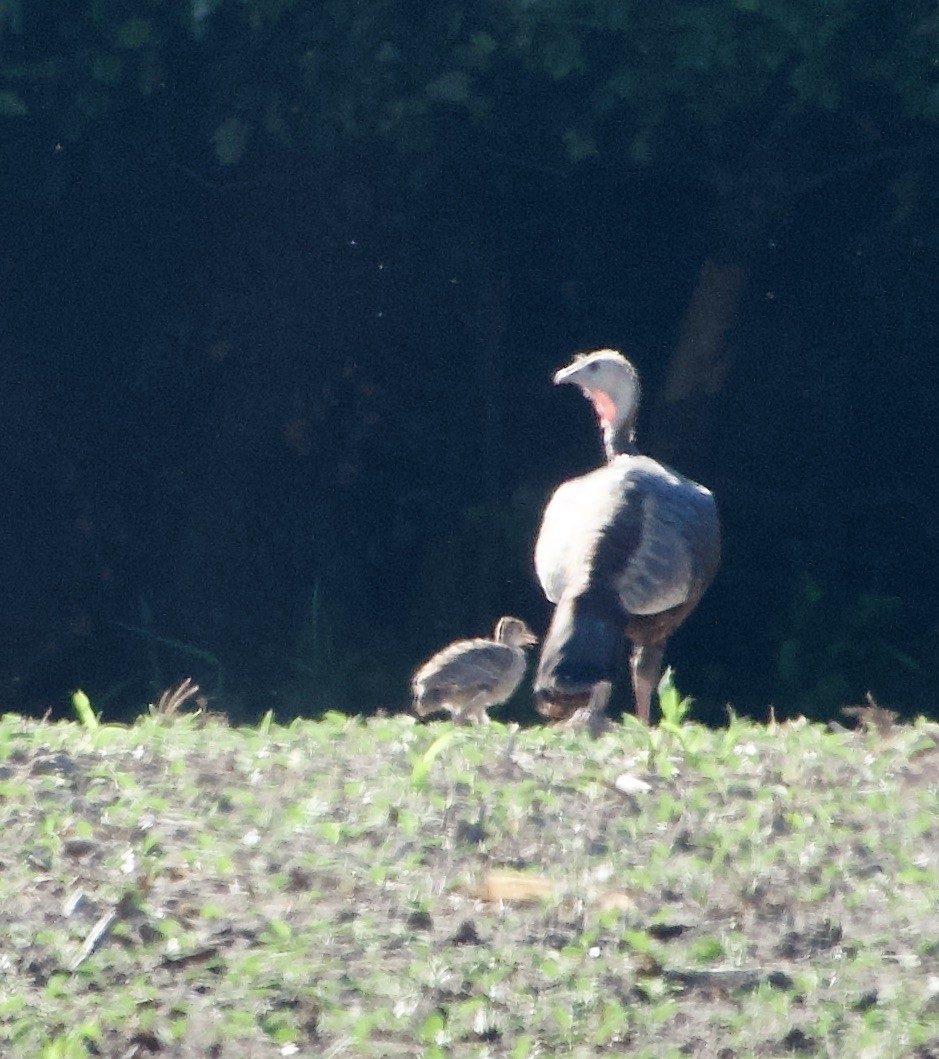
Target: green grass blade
point(425, 762)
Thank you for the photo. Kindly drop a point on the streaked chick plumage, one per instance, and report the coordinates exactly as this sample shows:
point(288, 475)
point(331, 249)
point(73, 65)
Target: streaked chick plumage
point(469, 676)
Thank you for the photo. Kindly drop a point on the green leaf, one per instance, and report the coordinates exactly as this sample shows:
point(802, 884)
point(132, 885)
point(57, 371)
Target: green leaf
point(423, 765)
point(433, 1027)
point(674, 708)
point(278, 930)
point(82, 707)
point(524, 1047)
point(707, 950)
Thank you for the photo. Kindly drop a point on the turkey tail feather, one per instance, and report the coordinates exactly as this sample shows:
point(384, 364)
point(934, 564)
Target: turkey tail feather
point(581, 649)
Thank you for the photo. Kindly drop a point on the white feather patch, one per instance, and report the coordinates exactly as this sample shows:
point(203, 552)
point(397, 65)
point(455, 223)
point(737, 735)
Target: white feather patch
point(658, 574)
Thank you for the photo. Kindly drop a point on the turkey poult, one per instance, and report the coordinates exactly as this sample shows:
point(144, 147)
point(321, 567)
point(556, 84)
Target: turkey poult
point(628, 548)
point(471, 675)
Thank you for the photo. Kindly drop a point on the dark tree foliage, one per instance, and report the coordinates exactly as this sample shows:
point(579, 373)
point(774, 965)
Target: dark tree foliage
point(758, 102)
point(286, 281)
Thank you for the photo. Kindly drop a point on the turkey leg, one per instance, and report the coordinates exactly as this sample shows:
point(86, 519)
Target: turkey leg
point(646, 667)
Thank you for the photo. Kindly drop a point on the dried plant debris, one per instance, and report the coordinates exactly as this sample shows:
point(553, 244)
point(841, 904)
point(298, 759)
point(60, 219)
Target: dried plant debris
point(172, 700)
point(872, 716)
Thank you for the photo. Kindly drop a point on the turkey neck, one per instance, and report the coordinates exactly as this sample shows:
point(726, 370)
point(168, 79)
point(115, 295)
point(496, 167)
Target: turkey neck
point(620, 441)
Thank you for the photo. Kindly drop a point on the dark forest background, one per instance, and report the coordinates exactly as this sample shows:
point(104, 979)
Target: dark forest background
point(284, 285)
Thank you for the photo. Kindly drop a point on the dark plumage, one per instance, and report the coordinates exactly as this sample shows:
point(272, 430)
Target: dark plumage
point(628, 548)
point(469, 676)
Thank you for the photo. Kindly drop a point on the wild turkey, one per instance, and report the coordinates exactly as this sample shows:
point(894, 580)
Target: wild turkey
point(471, 675)
point(630, 547)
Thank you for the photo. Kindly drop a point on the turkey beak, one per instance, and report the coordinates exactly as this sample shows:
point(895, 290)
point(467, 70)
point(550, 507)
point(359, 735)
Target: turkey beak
point(529, 639)
point(565, 374)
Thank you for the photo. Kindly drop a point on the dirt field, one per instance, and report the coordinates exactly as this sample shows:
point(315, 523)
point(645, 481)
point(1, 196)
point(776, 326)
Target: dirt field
point(338, 888)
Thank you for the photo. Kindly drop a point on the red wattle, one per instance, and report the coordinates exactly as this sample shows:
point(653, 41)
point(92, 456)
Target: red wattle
point(604, 406)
